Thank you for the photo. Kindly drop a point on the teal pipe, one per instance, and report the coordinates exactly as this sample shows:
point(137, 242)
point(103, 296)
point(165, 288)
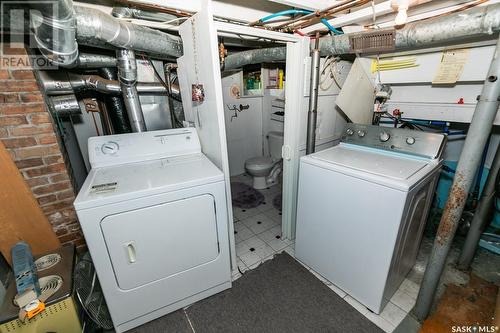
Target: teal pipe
point(329, 26)
point(300, 11)
point(285, 12)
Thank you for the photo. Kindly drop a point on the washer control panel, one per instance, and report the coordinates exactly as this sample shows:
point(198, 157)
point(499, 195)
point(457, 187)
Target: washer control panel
point(136, 147)
point(400, 140)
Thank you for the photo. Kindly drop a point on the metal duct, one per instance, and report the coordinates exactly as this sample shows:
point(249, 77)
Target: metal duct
point(96, 28)
point(240, 59)
point(54, 31)
point(94, 61)
point(469, 25)
point(65, 105)
point(59, 82)
point(127, 76)
point(114, 105)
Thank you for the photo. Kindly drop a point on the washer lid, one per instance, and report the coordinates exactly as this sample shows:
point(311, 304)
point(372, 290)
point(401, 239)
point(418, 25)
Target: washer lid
point(117, 183)
point(399, 171)
point(378, 163)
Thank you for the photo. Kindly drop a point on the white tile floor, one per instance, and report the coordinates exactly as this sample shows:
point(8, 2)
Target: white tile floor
point(258, 238)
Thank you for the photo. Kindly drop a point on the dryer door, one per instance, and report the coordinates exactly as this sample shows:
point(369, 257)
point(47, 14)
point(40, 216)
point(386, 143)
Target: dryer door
point(153, 243)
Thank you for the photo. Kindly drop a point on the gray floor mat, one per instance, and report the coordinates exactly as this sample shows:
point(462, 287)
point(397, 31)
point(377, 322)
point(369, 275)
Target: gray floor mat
point(278, 296)
point(245, 196)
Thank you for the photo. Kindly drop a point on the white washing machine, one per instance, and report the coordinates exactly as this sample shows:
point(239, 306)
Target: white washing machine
point(362, 208)
point(153, 212)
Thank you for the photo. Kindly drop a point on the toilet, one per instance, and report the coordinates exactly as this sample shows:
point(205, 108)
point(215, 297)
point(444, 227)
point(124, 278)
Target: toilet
point(266, 170)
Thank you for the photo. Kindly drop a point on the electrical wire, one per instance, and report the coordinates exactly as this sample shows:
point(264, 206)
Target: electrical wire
point(329, 65)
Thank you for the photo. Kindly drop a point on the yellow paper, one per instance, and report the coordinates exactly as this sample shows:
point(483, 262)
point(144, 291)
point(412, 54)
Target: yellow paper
point(451, 66)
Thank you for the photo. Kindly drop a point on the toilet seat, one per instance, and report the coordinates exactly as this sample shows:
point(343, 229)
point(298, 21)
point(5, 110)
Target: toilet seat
point(259, 163)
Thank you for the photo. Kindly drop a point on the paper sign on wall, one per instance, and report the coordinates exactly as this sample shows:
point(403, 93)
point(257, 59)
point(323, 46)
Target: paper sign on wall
point(451, 66)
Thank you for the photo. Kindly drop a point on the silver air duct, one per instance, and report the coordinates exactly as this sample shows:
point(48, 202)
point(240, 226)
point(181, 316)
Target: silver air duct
point(57, 83)
point(96, 28)
point(65, 105)
point(127, 75)
point(58, 27)
point(94, 61)
point(54, 27)
point(135, 13)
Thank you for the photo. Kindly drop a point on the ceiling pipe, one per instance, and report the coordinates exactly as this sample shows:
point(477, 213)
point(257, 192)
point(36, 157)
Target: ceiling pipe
point(477, 136)
point(58, 33)
point(96, 28)
point(469, 25)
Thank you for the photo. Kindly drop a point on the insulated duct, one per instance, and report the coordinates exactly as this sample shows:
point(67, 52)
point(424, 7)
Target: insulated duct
point(127, 76)
point(58, 27)
point(94, 61)
point(114, 105)
point(65, 105)
point(96, 28)
point(240, 59)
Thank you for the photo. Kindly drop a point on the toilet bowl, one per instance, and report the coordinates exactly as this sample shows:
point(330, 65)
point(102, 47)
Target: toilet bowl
point(266, 170)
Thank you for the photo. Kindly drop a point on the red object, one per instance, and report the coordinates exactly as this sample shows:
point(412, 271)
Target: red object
point(460, 101)
point(396, 112)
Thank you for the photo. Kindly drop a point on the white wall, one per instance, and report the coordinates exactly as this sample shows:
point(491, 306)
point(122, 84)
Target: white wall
point(244, 133)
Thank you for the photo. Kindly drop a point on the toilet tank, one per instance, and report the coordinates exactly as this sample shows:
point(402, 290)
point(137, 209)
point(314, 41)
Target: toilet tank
point(275, 141)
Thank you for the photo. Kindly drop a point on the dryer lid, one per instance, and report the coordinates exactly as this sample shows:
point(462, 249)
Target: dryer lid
point(130, 181)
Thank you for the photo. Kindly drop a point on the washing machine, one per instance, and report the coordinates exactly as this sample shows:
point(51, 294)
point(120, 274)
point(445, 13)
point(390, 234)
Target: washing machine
point(362, 208)
point(154, 216)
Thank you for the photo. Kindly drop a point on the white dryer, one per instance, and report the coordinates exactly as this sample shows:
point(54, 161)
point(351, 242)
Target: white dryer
point(362, 208)
point(153, 212)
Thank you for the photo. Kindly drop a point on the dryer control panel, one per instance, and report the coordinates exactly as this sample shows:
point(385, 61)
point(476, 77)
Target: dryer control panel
point(419, 143)
point(136, 147)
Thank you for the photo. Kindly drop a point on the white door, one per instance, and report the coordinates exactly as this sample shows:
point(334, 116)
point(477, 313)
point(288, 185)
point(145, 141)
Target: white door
point(156, 242)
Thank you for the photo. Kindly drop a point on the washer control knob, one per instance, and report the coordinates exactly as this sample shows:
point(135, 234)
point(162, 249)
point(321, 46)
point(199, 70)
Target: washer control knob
point(410, 140)
point(384, 136)
point(110, 148)
point(349, 131)
point(361, 133)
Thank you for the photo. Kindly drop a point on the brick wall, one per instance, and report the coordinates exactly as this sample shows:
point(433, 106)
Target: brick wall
point(28, 132)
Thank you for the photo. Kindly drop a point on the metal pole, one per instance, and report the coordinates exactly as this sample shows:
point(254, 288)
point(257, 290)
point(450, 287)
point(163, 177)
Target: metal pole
point(479, 131)
point(482, 216)
point(313, 99)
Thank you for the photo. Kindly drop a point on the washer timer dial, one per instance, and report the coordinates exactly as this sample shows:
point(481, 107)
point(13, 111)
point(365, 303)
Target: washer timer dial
point(110, 148)
point(384, 136)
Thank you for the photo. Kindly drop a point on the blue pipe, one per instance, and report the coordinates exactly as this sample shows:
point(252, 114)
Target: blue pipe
point(285, 12)
point(300, 11)
point(329, 26)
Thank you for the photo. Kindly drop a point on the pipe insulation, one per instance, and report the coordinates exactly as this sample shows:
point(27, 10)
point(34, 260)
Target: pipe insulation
point(96, 28)
point(64, 105)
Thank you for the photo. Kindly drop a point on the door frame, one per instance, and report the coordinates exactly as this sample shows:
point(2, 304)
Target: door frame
point(298, 49)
